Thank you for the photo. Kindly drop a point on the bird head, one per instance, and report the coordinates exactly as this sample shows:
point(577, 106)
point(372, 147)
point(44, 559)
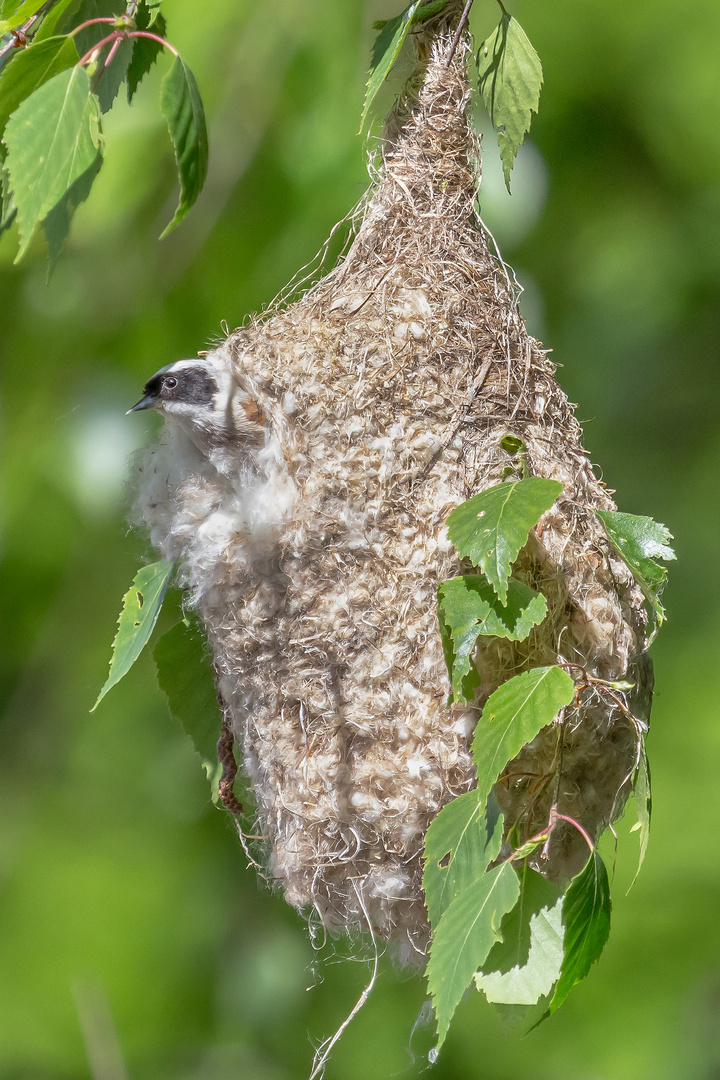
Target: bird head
point(204, 398)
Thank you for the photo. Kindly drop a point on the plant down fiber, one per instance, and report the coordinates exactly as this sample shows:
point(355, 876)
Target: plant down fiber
point(314, 561)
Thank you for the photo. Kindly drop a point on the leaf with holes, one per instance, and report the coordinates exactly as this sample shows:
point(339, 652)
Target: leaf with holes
point(185, 676)
point(182, 107)
point(513, 715)
point(468, 607)
point(140, 610)
point(460, 844)
point(586, 918)
point(640, 541)
point(51, 139)
point(491, 527)
point(510, 76)
point(523, 967)
point(467, 931)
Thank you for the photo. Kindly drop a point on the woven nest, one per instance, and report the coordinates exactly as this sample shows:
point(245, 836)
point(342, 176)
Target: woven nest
point(386, 391)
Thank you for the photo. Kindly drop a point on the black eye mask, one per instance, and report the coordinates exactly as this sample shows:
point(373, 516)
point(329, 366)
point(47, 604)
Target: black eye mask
point(194, 387)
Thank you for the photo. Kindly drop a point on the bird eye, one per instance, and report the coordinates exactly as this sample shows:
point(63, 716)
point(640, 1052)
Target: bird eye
point(170, 382)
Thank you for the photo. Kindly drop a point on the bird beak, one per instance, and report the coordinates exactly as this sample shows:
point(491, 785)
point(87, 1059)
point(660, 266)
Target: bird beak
point(144, 403)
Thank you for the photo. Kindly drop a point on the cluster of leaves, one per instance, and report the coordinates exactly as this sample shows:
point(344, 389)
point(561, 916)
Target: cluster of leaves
point(62, 63)
point(509, 73)
point(522, 941)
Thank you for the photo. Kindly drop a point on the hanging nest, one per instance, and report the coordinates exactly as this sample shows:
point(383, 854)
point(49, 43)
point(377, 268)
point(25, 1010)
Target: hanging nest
point(386, 392)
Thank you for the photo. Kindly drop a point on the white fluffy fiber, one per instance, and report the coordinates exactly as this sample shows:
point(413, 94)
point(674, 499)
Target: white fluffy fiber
point(314, 561)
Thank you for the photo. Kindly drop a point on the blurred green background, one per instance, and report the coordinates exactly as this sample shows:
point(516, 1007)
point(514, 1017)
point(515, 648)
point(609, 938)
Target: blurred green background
point(134, 942)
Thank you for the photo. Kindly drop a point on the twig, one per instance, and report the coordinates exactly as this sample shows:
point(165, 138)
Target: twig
point(458, 32)
point(19, 34)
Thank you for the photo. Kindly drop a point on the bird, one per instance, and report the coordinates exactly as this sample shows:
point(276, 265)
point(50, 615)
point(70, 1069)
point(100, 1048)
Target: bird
point(208, 401)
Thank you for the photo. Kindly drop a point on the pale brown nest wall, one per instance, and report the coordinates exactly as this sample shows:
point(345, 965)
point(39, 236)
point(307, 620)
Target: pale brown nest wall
point(387, 389)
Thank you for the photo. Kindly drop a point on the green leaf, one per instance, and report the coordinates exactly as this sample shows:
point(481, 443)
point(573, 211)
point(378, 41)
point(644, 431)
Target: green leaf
point(464, 676)
point(388, 44)
point(14, 14)
point(586, 918)
point(526, 964)
point(468, 607)
point(92, 9)
point(510, 80)
point(386, 50)
point(30, 69)
point(492, 526)
point(640, 541)
point(511, 444)
point(145, 51)
point(182, 108)
point(186, 678)
point(513, 715)
point(52, 139)
point(460, 844)
point(7, 207)
point(108, 80)
point(643, 798)
point(54, 17)
point(141, 607)
point(57, 223)
point(464, 936)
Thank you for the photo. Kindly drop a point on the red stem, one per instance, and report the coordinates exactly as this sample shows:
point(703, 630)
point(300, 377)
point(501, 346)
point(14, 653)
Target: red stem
point(113, 49)
point(115, 36)
point(571, 821)
point(90, 22)
point(154, 37)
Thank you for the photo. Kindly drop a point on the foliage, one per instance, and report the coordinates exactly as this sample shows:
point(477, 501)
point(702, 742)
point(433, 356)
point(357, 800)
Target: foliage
point(525, 963)
point(640, 541)
point(465, 935)
point(389, 43)
point(509, 70)
point(468, 607)
point(52, 100)
point(186, 679)
point(491, 527)
point(510, 77)
point(140, 610)
point(586, 919)
point(517, 939)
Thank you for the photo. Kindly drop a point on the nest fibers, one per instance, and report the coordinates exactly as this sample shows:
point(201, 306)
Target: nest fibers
point(385, 392)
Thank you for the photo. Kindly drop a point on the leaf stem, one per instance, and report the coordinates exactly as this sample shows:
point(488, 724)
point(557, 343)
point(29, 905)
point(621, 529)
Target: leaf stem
point(91, 22)
point(19, 34)
point(111, 51)
point(154, 37)
point(115, 36)
point(458, 32)
point(556, 816)
point(118, 36)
